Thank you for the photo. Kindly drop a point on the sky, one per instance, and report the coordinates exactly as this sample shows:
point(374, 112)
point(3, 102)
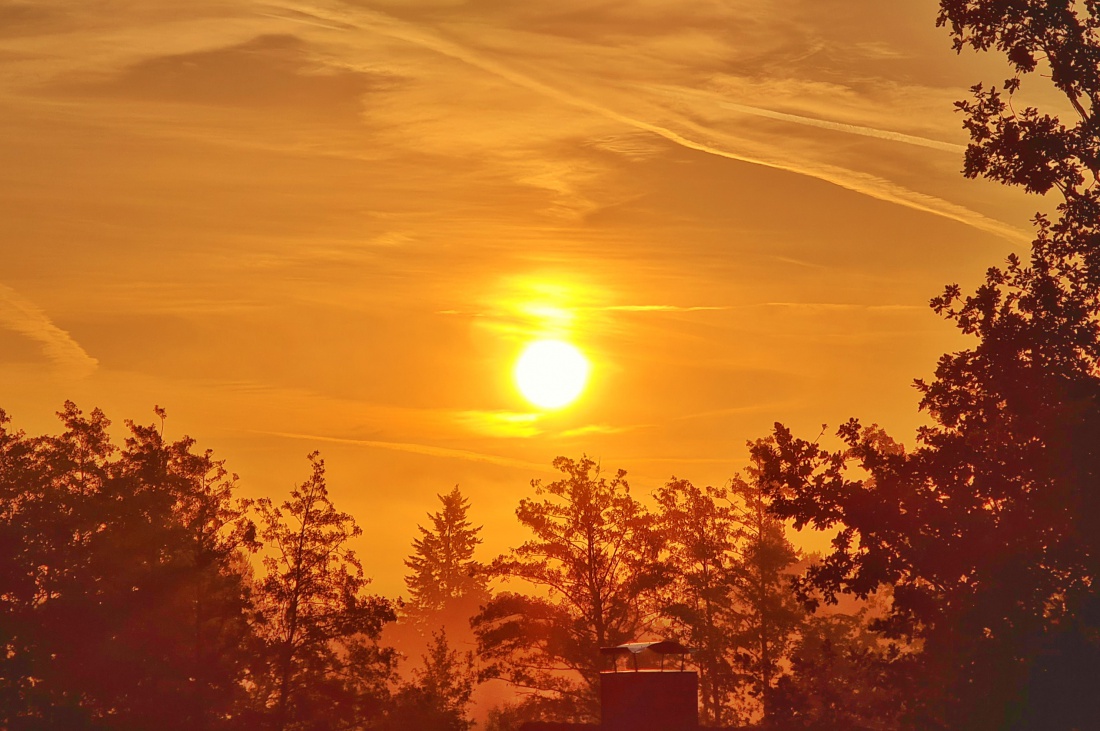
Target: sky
point(335, 224)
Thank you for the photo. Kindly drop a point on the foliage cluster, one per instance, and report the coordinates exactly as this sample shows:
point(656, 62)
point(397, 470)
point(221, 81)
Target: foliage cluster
point(130, 597)
point(709, 567)
point(986, 529)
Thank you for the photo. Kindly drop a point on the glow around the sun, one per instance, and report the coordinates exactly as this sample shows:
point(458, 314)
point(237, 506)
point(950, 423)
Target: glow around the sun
point(551, 373)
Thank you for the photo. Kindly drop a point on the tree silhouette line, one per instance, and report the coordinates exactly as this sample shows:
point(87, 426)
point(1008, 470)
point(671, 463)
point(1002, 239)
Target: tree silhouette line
point(137, 591)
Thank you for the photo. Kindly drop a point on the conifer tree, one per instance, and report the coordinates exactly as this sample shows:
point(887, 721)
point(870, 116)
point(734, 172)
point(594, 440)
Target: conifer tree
point(445, 575)
point(438, 697)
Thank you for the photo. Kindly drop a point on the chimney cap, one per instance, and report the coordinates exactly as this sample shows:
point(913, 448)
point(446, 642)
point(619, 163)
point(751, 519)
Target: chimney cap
point(661, 647)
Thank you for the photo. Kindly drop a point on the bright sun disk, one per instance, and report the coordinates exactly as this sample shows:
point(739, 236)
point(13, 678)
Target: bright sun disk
point(551, 373)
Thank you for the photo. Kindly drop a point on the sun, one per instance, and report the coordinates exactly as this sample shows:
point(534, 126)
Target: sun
point(551, 373)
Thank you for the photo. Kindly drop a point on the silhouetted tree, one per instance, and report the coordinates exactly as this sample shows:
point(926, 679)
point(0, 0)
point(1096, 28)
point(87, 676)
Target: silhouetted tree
point(511, 716)
point(769, 614)
point(438, 698)
point(446, 580)
point(1022, 145)
point(323, 668)
point(842, 677)
point(973, 535)
point(211, 537)
point(51, 507)
point(727, 592)
point(593, 552)
point(987, 528)
point(122, 603)
point(699, 529)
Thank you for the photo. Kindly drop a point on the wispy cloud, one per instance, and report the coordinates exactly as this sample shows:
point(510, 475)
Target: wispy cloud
point(23, 316)
point(425, 449)
point(568, 312)
point(505, 424)
point(798, 262)
point(582, 431)
point(854, 129)
point(655, 308)
point(844, 306)
point(687, 133)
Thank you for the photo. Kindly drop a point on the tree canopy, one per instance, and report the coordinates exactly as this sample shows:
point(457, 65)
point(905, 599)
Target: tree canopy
point(591, 550)
point(323, 667)
point(985, 527)
point(118, 597)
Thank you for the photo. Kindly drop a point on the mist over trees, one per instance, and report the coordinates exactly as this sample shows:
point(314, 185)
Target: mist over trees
point(437, 698)
point(139, 592)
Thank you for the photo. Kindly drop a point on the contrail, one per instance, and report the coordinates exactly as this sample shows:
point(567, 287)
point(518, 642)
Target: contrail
point(23, 316)
point(854, 129)
point(863, 183)
point(842, 306)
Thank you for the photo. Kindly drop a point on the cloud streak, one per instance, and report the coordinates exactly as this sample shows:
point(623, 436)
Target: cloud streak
point(656, 308)
point(845, 306)
point(428, 450)
point(694, 136)
point(23, 316)
point(854, 129)
point(566, 312)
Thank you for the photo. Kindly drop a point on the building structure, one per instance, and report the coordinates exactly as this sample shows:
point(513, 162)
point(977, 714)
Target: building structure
point(635, 698)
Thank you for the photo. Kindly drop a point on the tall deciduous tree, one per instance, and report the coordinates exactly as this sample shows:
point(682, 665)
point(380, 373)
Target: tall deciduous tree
point(324, 668)
point(727, 592)
point(208, 535)
point(699, 529)
point(593, 553)
point(446, 579)
point(52, 526)
point(770, 615)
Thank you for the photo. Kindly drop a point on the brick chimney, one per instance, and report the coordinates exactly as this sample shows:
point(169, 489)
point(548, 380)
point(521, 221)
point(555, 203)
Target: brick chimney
point(649, 699)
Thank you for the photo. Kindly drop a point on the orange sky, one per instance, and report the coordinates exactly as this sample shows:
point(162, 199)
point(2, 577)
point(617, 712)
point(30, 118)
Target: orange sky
point(334, 225)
